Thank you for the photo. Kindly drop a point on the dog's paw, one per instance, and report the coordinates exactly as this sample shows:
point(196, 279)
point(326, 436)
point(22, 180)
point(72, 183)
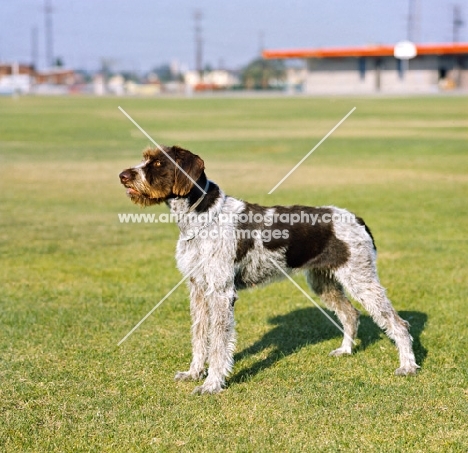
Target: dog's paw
point(183, 376)
point(208, 388)
point(408, 370)
point(340, 351)
point(189, 376)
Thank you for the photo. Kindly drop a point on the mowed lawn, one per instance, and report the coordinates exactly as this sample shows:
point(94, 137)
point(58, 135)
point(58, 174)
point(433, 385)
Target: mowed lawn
point(74, 281)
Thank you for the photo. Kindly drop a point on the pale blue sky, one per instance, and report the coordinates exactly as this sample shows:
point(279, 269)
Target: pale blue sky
point(140, 34)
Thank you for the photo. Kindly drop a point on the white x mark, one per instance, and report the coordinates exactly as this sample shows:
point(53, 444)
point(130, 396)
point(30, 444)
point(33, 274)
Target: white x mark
point(312, 300)
point(311, 151)
point(160, 148)
point(160, 302)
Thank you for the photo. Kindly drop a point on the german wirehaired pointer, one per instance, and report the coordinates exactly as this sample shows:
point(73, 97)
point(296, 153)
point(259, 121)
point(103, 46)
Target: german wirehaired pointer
point(227, 244)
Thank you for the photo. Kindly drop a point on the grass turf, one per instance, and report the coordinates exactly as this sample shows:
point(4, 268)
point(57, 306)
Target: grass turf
point(74, 280)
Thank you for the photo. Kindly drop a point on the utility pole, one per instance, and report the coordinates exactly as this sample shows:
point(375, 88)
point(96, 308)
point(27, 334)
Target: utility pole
point(261, 46)
point(34, 48)
point(49, 40)
point(261, 42)
point(409, 31)
point(413, 21)
point(457, 23)
point(197, 16)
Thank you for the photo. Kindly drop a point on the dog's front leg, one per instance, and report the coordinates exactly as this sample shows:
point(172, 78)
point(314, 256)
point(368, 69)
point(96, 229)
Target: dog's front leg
point(200, 325)
point(222, 341)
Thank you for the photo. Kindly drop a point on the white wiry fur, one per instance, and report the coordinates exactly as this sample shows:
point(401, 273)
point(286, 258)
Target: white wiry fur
point(364, 286)
point(213, 290)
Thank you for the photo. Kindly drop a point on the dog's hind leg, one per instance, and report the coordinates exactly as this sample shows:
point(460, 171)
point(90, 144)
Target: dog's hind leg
point(367, 290)
point(332, 294)
point(222, 341)
point(199, 312)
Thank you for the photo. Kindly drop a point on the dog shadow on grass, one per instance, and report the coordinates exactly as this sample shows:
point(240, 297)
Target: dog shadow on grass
point(306, 326)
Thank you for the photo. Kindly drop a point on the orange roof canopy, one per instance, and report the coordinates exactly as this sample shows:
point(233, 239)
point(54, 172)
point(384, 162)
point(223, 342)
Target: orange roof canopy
point(365, 51)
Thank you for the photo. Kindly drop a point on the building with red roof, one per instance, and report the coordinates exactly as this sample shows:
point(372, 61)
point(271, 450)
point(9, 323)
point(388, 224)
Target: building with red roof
point(400, 68)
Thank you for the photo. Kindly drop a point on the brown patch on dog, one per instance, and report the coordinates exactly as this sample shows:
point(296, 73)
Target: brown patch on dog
point(192, 165)
point(305, 244)
point(312, 245)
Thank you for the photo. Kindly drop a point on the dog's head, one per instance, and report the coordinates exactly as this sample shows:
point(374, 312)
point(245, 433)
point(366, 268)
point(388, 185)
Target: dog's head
point(162, 175)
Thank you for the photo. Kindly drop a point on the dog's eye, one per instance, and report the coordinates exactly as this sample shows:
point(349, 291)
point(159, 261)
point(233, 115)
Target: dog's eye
point(157, 163)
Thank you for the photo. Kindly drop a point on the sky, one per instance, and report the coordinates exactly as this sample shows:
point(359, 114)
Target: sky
point(142, 34)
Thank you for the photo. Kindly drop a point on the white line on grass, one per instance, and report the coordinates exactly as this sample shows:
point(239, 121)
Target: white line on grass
point(312, 150)
point(159, 147)
point(312, 300)
point(159, 303)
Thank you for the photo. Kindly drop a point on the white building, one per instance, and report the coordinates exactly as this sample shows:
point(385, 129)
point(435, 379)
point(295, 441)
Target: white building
point(370, 69)
point(217, 79)
point(16, 78)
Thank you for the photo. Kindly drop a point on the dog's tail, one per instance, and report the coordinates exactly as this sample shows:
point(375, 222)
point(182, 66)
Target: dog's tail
point(361, 222)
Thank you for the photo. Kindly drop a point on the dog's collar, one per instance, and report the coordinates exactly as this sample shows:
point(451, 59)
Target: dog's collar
point(194, 206)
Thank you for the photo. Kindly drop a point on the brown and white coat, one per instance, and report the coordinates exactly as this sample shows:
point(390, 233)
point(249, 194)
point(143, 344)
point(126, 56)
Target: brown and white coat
point(226, 245)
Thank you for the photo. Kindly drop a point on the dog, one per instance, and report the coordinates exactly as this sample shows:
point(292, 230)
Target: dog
point(227, 244)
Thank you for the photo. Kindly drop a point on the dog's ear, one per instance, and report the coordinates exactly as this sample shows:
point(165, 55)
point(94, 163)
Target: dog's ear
point(192, 165)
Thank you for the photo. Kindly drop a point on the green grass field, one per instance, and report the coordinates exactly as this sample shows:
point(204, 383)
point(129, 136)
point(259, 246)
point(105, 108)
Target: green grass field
point(74, 280)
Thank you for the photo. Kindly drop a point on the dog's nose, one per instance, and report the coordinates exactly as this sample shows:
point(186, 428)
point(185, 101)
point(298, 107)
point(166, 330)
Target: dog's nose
point(125, 176)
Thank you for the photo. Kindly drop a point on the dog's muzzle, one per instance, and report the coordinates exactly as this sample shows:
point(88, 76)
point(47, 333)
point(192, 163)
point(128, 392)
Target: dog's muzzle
point(126, 178)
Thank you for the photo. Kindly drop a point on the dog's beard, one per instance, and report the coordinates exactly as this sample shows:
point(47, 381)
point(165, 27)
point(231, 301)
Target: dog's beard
point(142, 200)
point(140, 197)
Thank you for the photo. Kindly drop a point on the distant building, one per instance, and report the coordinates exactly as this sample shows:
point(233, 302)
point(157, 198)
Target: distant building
point(296, 79)
point(16, 78)
point(99, 85)
point(7, 69)
point(57, 76)
point(115, 85)
point(22, 78)
point(142, 89)
point(371, 69)
point(219, 79)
